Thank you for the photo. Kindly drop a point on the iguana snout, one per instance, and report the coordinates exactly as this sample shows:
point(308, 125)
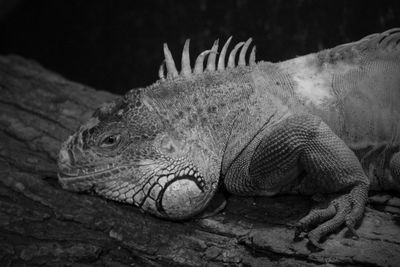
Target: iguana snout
point(125, 152)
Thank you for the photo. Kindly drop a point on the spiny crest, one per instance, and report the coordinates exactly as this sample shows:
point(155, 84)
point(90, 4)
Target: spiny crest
point(387, 41)
point(211, 65)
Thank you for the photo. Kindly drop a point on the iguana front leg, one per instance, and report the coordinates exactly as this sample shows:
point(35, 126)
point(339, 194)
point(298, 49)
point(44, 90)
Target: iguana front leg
point(302, 155)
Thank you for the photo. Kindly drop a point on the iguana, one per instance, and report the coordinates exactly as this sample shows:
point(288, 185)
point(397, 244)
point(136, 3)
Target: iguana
point(322, 123)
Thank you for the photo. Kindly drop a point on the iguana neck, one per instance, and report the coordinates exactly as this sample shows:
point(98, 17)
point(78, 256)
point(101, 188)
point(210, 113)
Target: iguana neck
point(210, 103)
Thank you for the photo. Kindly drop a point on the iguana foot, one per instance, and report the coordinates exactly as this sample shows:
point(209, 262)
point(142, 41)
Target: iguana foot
point(302, 155)
point(348, 209)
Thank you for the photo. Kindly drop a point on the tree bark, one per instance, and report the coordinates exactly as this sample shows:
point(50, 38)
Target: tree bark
point(41, 224)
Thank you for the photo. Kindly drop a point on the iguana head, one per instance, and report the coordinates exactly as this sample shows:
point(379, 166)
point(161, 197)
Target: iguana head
point(147, 149)
point(127, 152)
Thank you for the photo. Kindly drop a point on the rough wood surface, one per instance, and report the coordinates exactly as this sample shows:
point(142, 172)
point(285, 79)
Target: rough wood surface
point(41, 224)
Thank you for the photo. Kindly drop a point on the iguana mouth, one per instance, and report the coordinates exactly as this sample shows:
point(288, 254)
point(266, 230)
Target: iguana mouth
point(67, 171)
point(82, 179)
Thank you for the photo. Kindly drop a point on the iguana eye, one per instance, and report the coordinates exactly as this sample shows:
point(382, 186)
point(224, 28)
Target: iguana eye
point(110, 140)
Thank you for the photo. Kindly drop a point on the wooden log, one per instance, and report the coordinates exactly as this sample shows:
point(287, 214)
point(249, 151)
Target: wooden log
point(42, 224)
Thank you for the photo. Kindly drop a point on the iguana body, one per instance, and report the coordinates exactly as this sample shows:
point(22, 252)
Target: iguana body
point(317, 124)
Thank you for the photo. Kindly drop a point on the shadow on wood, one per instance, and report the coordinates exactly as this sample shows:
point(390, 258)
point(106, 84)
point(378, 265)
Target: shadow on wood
point(42, 224)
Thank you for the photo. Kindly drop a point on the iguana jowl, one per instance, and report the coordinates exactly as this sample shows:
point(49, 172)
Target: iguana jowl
point(321, 123)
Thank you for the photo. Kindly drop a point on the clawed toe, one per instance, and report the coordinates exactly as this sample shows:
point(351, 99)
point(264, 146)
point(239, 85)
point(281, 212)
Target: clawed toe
point(314, 217)
point(299, 230)
point(350, 227)
point(301, 233)
point(314, 242)
point(345, 209)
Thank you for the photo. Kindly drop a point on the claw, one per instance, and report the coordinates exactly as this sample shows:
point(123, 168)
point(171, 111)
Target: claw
point(299, 230)
point(297, 233)
point(313, 238)
point(314, 242)
point(353, 231)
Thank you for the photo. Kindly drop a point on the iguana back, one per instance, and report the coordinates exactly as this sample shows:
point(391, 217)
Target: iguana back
point(355, 89)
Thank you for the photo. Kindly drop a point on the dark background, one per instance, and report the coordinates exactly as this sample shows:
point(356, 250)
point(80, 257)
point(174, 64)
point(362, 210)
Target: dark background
point(117, 45)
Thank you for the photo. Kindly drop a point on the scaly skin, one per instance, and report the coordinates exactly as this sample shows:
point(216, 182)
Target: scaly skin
point(321, 123)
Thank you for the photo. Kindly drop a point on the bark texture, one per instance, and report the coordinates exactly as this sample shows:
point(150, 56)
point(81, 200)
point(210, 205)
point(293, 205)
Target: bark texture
point(41, 224)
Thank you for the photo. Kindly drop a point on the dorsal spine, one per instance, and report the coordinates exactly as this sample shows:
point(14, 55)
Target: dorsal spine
point(186, 69)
